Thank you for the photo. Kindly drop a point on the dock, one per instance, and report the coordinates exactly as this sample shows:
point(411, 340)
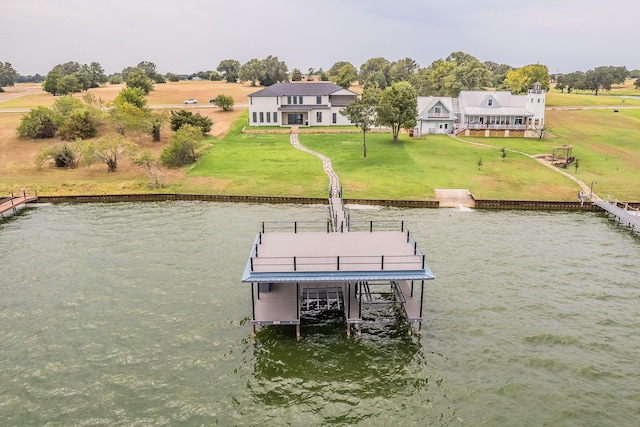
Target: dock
point(622, 212)
point(292, 271)
point(12, 204)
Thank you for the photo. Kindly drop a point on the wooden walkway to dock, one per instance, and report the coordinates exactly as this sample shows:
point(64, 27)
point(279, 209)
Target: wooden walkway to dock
point(13, 204)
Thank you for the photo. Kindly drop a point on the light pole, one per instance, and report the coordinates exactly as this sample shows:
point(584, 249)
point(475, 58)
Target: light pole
point(591, 192)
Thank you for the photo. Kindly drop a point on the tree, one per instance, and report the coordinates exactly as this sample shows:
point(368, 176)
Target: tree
point(397, 108)
point(402, 70)
point(296, 75)
point(541, 130)
point(184, 117)
point(522, 79)
point(172, 77)
point(335, 68)
point(79, 124)
point(149, 69)
point(7, 75)
point(97, 75)
point(637, 83)
point(250, 71)
point(66, 104)
point(362, 113)
point(136, 78)
point(51, 81)
point(225, 102)
point(572, 81)
point(602, 78)
point(273, 71)
point(69, 84)
point(154, 123)
point(230, 69)
point(39, 123)
point(345, 76)
point(372, 66)
point(498, 72)
point(184, 147)
point(131, 95)
point(109, 150)
point(147, 161)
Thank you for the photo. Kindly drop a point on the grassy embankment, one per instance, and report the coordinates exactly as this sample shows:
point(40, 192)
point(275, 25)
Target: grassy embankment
point(605, 142)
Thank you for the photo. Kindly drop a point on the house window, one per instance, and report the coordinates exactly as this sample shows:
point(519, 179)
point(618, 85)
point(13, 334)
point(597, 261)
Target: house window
point(538, 100)
point(318, 100)
point(446, 125)
point(518, 121)
point(300, 100)
point(295, 99)
point(319, 117)
point(490, 102)
point(288, 100)
point(275, 117)
point(255, 117)
point(437, 110)
point(268, 117)
point(261, 117)
point(334, 118)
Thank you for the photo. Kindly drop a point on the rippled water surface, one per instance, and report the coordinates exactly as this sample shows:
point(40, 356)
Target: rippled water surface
point(134, 314)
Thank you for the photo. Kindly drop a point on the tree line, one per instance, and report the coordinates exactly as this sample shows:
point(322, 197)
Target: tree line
point(444, 77)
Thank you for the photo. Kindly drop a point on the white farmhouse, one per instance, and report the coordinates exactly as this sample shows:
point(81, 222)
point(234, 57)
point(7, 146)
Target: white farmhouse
point(300, 103)
point(483, 113)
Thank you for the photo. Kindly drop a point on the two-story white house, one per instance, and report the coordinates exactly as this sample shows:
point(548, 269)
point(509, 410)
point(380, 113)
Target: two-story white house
point(300, 103)
point(483, 113)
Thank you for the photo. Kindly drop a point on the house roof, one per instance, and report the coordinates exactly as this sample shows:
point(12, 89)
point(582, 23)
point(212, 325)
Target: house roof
point(302, 89)
point(426, 103)
point(504, 103)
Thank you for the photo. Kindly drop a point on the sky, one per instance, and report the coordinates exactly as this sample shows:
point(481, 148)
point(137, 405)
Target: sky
point(184, 37)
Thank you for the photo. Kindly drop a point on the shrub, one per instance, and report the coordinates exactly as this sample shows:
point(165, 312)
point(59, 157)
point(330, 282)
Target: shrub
point(39, 123)
point(184, 117)
point(184, 147)
point(79, 124)
point(225, 102)
point(62, 155)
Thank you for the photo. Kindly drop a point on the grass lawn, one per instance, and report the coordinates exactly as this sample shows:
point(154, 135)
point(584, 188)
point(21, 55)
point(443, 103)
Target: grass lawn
point(607, 145)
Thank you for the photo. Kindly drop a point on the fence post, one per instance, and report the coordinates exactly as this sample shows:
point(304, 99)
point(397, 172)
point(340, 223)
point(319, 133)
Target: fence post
point(382, 262)
point(338, 262)
point(295, 267)
point(295, 226)
point(370, 226)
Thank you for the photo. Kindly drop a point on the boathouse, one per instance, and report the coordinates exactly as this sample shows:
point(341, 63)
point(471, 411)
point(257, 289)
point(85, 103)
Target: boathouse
point(289, 268)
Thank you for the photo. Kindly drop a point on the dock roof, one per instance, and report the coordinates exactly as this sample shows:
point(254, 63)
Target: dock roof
point(335, 257)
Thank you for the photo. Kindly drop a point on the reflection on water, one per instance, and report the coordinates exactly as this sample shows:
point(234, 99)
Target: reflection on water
point(134, 314)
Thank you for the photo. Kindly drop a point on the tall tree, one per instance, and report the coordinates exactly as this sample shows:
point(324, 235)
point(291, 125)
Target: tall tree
point(335, 68)
point(372, 66)
point(362, 113)
point(97, 75)
point(7, 75)
point(345, 76)
point(230, 69)
point(250, 71)
point(602, 78)
point(136, 78)
point(402, 70)
point(397, 108)
point(273, 71)
point(296, 75)
point(522, 79)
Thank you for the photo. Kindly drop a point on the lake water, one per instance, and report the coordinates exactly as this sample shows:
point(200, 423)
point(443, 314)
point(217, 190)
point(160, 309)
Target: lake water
point(134, 315)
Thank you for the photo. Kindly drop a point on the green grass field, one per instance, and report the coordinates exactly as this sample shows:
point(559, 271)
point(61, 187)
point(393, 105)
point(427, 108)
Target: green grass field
point(411, 169)
point(607, 144)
